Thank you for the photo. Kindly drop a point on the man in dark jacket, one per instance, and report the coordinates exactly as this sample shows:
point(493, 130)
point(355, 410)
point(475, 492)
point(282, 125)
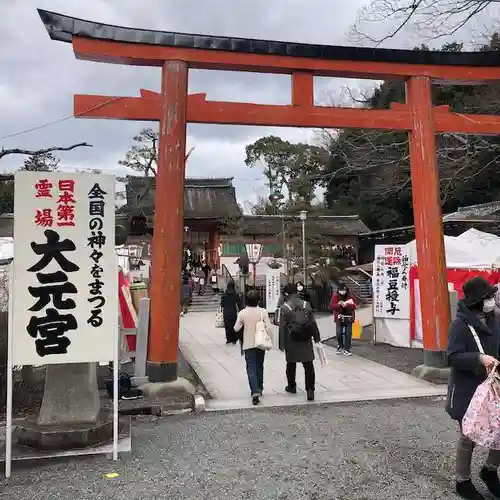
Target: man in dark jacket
point(297, 351)
point(230, 304)
point(469, 367)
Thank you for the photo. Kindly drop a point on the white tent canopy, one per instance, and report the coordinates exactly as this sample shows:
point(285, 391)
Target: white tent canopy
point(485, 244)
point(471, 250)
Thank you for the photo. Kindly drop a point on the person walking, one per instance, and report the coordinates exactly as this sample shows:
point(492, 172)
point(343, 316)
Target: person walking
point(230, 304)
point(185, 295)
point(297, 329)
point(475, 324)
point(213, 280)
point(343, 306)
point(206, 270)
point(246, 323)
point(200, 280)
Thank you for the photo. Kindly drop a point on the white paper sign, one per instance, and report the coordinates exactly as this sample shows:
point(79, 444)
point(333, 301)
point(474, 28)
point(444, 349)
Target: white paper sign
point(391, 282)
point(273, 278)
point(254, 252)
point(65, 268)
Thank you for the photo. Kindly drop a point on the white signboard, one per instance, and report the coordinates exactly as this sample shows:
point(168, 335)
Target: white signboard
point(254, 252)
point(391, 282)
point(273, 277)
point(65, 289)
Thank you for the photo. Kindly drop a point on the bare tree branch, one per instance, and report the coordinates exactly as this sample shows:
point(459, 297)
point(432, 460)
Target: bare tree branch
point(431, 19)
point(16, 151)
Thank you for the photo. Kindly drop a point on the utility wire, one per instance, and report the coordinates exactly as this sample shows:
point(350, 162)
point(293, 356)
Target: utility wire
point(60, 120)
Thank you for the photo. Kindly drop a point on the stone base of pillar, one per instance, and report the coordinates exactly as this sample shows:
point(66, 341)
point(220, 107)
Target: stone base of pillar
point(70, 416)
point(434, 369)
point(64, 437)
point(432, 374)
point(161, 372)
point(178, 387)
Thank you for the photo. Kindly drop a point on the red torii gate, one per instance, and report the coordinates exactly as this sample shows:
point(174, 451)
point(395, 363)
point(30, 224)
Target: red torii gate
point(175, 53)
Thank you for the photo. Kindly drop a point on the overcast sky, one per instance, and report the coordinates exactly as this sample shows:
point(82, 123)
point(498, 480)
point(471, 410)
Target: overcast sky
point(40, 76)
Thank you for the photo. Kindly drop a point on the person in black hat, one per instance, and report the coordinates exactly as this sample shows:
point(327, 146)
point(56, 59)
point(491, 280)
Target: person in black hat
point(473, 350)
point(297, 330)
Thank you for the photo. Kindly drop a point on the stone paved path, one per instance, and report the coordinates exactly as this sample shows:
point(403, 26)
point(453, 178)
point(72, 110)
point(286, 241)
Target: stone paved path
point(222, 370)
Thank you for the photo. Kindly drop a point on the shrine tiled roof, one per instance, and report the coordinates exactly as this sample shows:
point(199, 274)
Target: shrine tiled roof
point(204, 198)
point(484, 211)
point(325, 225)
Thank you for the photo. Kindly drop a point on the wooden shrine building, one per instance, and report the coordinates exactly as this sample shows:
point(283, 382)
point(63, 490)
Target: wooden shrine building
point(210, 207)
point(215, 227)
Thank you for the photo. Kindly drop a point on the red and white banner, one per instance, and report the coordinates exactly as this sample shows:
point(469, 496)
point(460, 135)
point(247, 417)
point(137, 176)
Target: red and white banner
point(456, 280)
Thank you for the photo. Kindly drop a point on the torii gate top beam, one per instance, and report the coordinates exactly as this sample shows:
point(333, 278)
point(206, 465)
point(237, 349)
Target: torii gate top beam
point(115, 44)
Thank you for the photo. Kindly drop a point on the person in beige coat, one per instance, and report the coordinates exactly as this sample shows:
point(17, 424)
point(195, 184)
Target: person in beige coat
point(246, 323)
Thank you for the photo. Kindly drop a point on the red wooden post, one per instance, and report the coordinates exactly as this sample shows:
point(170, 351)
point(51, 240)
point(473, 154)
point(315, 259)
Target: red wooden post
point(434, 297)
point(216, 248)
point(168, 230)
point(302, 89)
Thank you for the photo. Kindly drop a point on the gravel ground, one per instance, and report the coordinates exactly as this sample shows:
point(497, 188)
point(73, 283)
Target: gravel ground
point(399, 358)
point(366, 451)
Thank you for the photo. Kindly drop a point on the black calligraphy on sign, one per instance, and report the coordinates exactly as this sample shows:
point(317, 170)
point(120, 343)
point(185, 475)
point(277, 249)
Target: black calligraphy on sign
point(96, 241)
point(405, 266)
point(393, 259)
point(49, 331)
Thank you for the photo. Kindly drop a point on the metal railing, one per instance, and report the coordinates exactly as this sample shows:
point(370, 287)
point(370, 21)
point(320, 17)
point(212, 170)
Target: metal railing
point(354, 281)
point(366, 273)
point(359, 288)
point(227, 277)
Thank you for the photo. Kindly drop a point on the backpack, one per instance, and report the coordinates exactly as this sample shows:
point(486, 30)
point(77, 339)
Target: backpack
point(300, 327)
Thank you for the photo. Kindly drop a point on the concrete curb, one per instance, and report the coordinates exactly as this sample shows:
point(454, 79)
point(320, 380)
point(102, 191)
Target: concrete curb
point(241, 405)
point(199, 405)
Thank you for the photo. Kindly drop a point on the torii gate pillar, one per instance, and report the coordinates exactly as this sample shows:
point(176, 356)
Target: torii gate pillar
point(434, 302)
point(166, 261)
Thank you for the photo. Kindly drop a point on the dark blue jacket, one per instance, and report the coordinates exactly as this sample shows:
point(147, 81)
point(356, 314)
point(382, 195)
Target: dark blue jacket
point(463, 357)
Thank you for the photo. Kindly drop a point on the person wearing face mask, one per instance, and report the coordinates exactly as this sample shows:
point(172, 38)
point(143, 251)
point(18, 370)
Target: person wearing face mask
point(497, 302)
point(302, 292)
point(343, 306)
point(474, 325)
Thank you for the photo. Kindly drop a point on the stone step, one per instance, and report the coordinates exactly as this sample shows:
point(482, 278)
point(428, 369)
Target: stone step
point(206, 301)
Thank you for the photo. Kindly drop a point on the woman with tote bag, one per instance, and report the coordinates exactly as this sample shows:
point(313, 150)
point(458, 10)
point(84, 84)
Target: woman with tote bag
point(472, 352)
point(255, 340)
